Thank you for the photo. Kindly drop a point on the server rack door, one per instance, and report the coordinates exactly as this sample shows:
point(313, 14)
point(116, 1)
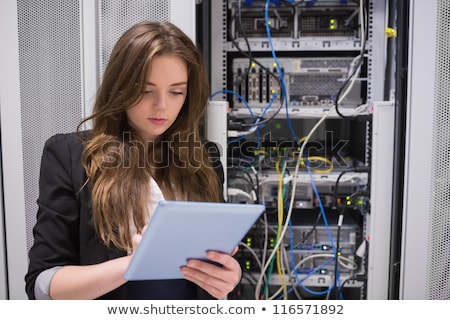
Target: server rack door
point(52, 60)
point(425, 263)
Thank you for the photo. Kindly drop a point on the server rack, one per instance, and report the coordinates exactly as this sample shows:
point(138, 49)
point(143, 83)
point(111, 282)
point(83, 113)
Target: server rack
point(314, 46)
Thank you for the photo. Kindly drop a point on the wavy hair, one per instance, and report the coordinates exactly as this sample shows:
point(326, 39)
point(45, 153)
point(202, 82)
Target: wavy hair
point(118, 163)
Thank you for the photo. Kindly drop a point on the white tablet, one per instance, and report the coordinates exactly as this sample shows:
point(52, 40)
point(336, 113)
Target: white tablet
point(181, 230)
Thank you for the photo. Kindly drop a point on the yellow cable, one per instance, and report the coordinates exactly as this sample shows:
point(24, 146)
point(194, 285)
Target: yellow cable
point(280, 222)
point(300, 141)
point(328, 161)
point(259, 152)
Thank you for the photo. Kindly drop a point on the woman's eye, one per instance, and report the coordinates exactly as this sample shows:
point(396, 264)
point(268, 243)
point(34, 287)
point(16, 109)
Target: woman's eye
point(178, 92)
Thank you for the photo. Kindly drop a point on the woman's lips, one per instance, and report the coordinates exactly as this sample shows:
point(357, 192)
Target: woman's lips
point(157, 121)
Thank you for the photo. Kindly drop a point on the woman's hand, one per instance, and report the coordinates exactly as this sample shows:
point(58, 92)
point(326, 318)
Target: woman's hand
point(136, 239)
point(218, 281)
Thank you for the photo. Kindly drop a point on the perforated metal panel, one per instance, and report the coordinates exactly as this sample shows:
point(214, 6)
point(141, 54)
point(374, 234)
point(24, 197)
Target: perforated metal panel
point(438, 264)
point(117, 16)
point(50, 83)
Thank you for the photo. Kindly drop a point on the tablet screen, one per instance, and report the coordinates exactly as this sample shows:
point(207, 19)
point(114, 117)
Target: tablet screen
point(182, 230)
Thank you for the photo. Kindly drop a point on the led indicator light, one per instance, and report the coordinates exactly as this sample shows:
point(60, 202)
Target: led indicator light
point(332, 24)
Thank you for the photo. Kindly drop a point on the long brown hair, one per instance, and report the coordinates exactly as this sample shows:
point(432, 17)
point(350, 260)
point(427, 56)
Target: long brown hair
point(118, 163)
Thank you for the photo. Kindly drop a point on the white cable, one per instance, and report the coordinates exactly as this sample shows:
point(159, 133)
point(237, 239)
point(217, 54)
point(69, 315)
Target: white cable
point(254, 255)
point(361, 251)
point(236, 192)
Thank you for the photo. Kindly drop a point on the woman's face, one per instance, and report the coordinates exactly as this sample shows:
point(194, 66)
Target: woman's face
point(163, 97)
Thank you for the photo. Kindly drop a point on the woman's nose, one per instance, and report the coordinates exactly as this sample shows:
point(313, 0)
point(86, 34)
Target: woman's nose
point(160, 101)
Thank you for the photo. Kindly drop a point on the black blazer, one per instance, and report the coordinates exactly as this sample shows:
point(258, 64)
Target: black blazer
point(64, 233)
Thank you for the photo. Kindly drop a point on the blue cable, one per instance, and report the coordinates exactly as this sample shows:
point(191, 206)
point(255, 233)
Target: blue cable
point(280, 71)
point(300, 281)
point(237, 95)
point(338, 277)
point(244, 101)
point(256, 124)
point(335, 251)
point(324, 217)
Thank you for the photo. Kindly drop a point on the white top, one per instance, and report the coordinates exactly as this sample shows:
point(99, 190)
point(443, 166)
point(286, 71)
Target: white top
point(155, 196)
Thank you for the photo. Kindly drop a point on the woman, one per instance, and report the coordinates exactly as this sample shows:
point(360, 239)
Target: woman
point(98, 188)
